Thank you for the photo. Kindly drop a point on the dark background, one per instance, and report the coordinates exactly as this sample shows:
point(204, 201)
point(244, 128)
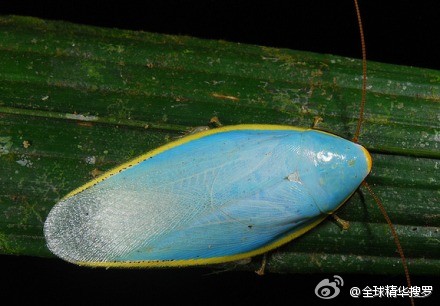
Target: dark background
point(402, 32)
point(399, 32)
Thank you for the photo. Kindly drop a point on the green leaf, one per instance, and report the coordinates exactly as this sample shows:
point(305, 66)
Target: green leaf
point(78, 100)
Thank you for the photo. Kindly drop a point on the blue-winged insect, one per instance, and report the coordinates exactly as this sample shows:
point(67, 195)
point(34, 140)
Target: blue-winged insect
point(215, 196)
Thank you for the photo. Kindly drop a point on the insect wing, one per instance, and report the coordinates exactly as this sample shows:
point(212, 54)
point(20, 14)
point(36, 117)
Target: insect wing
point(213, 197)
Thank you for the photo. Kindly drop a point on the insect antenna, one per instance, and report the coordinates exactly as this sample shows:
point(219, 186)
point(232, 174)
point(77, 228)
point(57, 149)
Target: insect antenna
point(393, 231)
point(355, 139)
point(364, 73)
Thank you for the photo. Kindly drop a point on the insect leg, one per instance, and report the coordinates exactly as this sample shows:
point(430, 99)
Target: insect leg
point(345, 225)
point(260, 271)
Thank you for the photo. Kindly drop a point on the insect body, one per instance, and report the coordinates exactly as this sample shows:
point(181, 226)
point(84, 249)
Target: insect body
point(216, 196)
